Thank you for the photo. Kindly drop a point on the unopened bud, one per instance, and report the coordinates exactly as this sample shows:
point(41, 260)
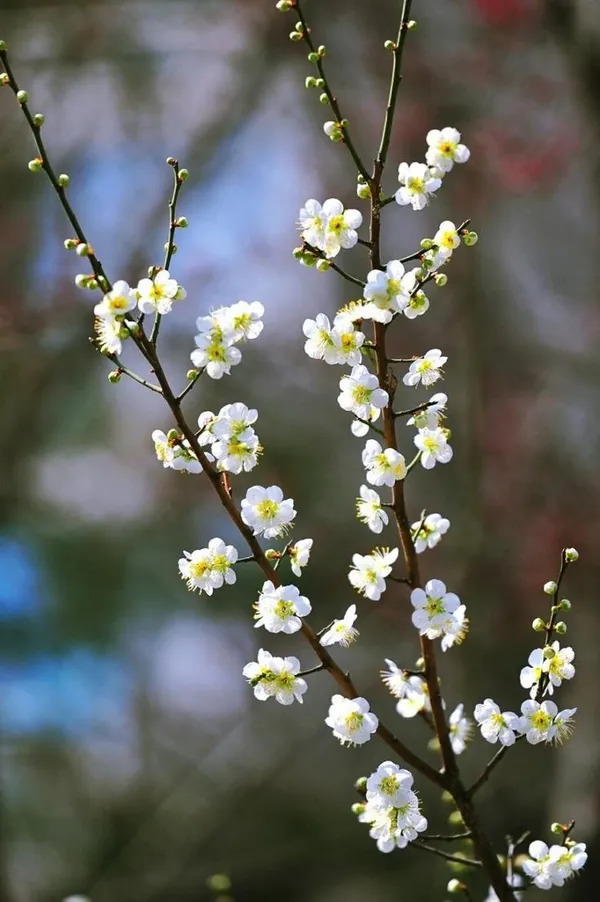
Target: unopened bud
point(360, 785)
point(39, 119)
point(323, 98)
point(557, 828)
point(447, 797)
point(4, 79)
point(440, 279)
point(471, 238)
point(312, 57)
point(182, 222)
point(389, 45)
point(564, 605)
point(22, 96)
point(550, 587)
point(363, 191)
point(63, 180)
point(295, 35)
point(183, 175)
point(83, 249)
point(284, 6)
point(323, 265)
point(35, 165)
point(173, 435)
point(70, 243)
point(171, 161)
point(560, 628)
point(320, 83)
point(272, 554)
point(298, 253)
point(310, 82)
point(81, 280)
point(114, 376)
point(571, 555)
point(322, 50)
point(3, 46)
point(538, 625)
point(455, 886)
point(411, 25)
point(219, 882)
point(427, 244)
point(170, 247)
point(191, 374)
point(455, 818)
point(548, 653)
point(358, 808)
point(93, 285)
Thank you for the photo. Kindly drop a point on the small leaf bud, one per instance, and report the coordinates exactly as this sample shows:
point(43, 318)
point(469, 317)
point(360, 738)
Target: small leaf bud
point(571, 555)
point(561, 628)
point(471, 238)
point(4, 79)
point(83, 249)
point(360, 785)
point(39, 119)
point(538, 625)
point(389, 45)
point(173, 435)
point(358, 808)
point(22, 96)
point(35, 165)
point(183, 175)
point(284, 6)
point(548, 653)
point(70, 243)
point(440, 279)
point(323, 98)
point(219, 882)
point(550, 587)
point(114, 377)
point(182, 222)
point(63, 180)
point(455, 886)
point(191, 374)
point(564, 605)
point(295, 35)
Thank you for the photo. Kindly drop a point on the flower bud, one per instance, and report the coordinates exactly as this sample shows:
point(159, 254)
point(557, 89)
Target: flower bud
point(571, 555)
point(219, 882)
point(124, 333)
point(564, 605)
point(538, 625)
point(183, 175)
point(182, 222)
point(324, 99)
point(310, 82)
point(81, 280)
point(471, 238)
point(93, 285)
point(312, 56)
point(83, 249)
point(389, 45)
point(170, 247)
point(284, 6)
point(63, 180)
point(272, 554)
point(298, 253)
point(560, 628)
point(440, 279)
point(550, 587)
point(191, 374)
point(22, 96)
point(548, 653)
point(358, 808)
point(35, 165)
point(295, 35)
point(114, 376)
point(447, 797)
point(455, 886)
point(360, 785)
point(173, 435)
point(171, 161)
point(427, 244)
point(39, 119)
point(323, 265)
point(70, 243)
point(557, 828)
point(320, 83)
point(363, 191)
point(322, 50)
point(455, 818)
point(3, 46)
point(4, 79)
point(411, 25)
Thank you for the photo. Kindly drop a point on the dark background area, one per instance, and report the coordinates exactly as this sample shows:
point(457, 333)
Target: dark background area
point(134, 760)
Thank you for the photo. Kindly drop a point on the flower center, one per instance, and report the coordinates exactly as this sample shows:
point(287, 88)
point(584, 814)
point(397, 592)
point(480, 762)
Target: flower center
point(354, 721)
point(267, 509)
point(435, 606)
point(284, 609)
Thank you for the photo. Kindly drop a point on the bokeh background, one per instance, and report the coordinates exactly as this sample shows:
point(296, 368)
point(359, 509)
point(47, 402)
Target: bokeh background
point(134, 760)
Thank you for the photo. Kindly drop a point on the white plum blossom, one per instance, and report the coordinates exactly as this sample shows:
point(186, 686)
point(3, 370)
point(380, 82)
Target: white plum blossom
point(411, 691)
point(218, 332)
point(369, 510)
point(361, 394)
point(337, 343)
point(273, 677)
point(351, 720)
point(431, 416)
point(342, 631)
point(208, 568)
point(266, 511)
point(279, 609)
point(548, 867)
point(234, 454)
point(429, 532)
point(395, 679)
point(387, 786)
point(434, 447)
point(417, 183)
point(418, 303)
point(157, 295)
point(244, 320)
point(446, 240)
point(562, 727)
point(109, 332)
point(232, 420)
point(369, 571)
point(530, 676)
point(425, 370)
point(543, 722)
point(116, 302)
point(299, 555)
point(214, 355)
point(328, 227)
point(438, 612)
point(385, 293)
point(384, 467)
point(559, 667)
point(455, 629)
point(460, 729)
point(444, 149)
point(176, 454)
point(496, 725)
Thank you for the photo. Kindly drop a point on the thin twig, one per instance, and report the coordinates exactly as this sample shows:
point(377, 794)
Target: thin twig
point(470, 862)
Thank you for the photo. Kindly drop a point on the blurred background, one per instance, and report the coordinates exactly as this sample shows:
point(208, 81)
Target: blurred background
point(134, 760)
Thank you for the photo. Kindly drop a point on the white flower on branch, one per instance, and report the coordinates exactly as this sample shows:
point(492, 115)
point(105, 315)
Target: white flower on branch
point(369, 510)
point(438, 612)
point(460, 729)
point(273, 677)
point(417, 184)
point(342, 631)
point(432, 415)
point(351, 720)
point(118, 301)
point(214, 355)
point(369, 571)
point(300, 555)
point(542, 722)
point(279, 609)
point(553, 661)
point(157, 295)
point(433, 443)
point(383, 467)
point(425, 370)
point(266, 511)
point(428, 534)
point(387, 786)
point(361, 394)
point(496, 725)
point(109, 332)
point(329, 228)
point(340, 343)
point(392, 809)
point(176, 454)
point(548, 867)
point(385, 293)
point(208, 568)
point(444, 149)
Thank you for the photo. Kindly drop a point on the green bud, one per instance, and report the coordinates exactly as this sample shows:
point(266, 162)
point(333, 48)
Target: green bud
point(323, 265)
point(173, 435)
point(22, 96)
point(298, 253)
point(538, 625)
point(358, 808)
point(455, 818)
point(83, 249)
point(440, 279)
point(564, 605)
point(419, 663)
point(571, 555)
point(360, 785)
point(320, 83)
point(123, 333)
point(173, 248)
point(312, 56)
point(114, 376)
point(427, 244)
point(411, 25)
point(560, 628)
point(299, 26)
point(3, 46)
point(93, 285)
point(171, 161)
point(283, 6)
point(81, 280)
point(183, 175)
point(548, 653)
point(323, 98)
point(35, 165)
point(389, 45)
point(310, 82)
point(550, 587)
point(309, 260)
point(191, 374)
point(39, 119)
point(434, 744)
point(4, 79)
point(70, 243)
point(219, 882)
point(363, 191)
point(557, 828)
point(272, 554)
point(322, 50)
point(447, 797)
point(455, 886)
point(471, 238)
point(182, 223)
point(295, 35)
point(63, 180)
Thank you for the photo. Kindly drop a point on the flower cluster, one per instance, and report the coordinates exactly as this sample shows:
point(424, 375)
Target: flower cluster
point(208, 568)
point(351, 720)
point(277, 678)
point(418, 181)
point(548, 867)
point(218, 334)
point(329, 227)
point(439, 613)
point(175, 453)
point(392, 808)
point(538, 722)
point(279, 609)
point(369, 571)
point(551, 665)
point(338, 343)
point(232, 439)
